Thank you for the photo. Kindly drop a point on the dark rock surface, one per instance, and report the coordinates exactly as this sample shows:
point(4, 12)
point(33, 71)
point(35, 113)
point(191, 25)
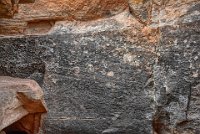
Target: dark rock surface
point(176, 76)
point(115, 77)
point(91, 81)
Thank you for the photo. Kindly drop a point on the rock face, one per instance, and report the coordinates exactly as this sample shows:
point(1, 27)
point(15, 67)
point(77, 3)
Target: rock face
point(46, 12)
point(21, 105)
point(9, 7)
point(130, 72)
point(91, 78)
point(6, 8)
point(71, 9)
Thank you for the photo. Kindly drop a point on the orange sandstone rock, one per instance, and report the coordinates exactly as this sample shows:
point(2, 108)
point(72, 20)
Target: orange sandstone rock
point(48, 11)
point(21, 105)
point(9, 7)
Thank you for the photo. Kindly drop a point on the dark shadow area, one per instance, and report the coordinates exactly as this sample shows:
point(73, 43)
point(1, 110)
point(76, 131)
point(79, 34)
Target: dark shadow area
point(16, 132)
point(39, 27)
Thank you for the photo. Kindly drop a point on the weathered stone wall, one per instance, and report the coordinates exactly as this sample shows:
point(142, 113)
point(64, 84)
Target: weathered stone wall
point(49, 11)
point(22, 106)
point(134, 70)
point(9, 7)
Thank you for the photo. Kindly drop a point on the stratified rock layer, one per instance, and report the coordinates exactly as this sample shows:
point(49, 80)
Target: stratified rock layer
point(49, 11)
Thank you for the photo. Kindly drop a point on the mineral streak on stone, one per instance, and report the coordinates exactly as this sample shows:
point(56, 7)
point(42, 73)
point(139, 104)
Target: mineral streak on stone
point(21, 105)
point(133, 71)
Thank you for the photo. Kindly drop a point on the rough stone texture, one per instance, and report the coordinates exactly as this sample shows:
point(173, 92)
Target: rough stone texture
point(6, 8)
point(50, 10)
point(176, 72)
point(9, 7)
point(134, 73)
point(71, 9)
point(178, 86)
point(93, 78)
point(21, 105)
point(177, 79)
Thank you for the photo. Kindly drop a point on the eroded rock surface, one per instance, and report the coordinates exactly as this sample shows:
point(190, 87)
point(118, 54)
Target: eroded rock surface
point(9, 7)
point(130, 72)
point(94, 74)
point(52, 10)
point(21, 105)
